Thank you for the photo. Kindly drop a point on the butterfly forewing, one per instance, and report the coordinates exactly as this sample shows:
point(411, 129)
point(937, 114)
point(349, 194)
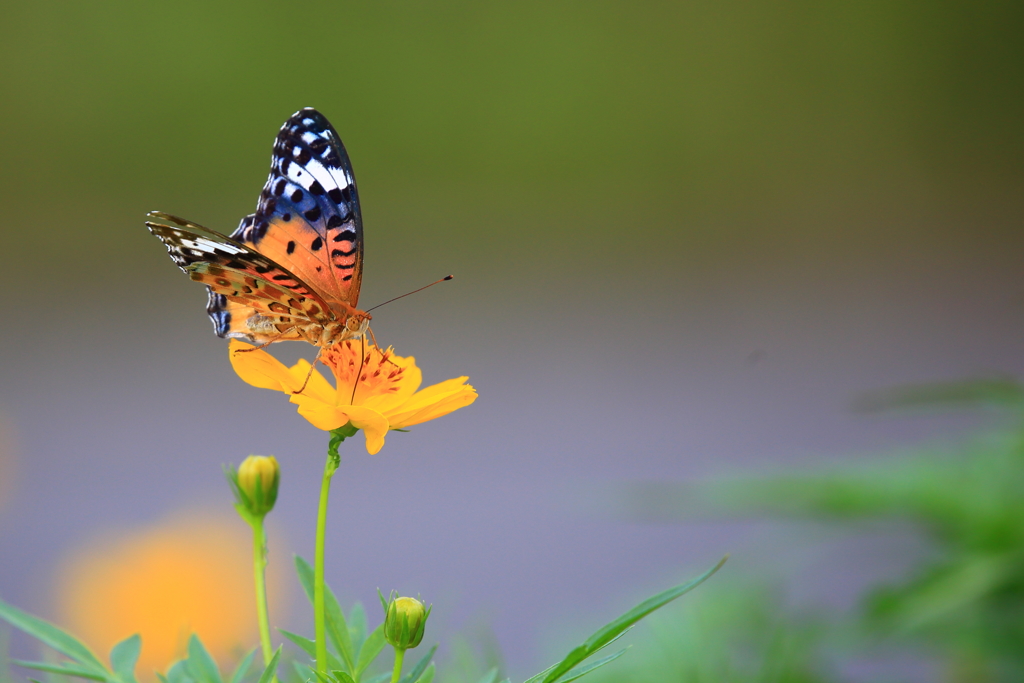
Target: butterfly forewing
point(262, 294)
point(187, 245)
point(308, 214)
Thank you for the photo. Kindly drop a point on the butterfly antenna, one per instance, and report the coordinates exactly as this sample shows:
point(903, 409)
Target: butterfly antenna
point(444, 279)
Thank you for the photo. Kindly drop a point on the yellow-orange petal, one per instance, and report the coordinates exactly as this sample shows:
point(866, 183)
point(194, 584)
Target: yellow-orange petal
point(393, 403)
point(373, 424)
point(325, 416)
point(386, 402)
point(434, 393)
point(448, 404)
point(259, 368)
point(411, 379)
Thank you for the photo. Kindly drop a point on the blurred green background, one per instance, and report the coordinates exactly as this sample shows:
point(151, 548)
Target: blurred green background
point(650, 137)
point(684, 236)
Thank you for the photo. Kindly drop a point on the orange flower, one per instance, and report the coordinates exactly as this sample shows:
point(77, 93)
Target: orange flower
point(191, 573)
point(375, 395)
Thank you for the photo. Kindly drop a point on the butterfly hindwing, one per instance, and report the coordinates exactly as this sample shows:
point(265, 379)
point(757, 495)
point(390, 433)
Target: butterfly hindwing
point(234, 319)
point(308, 215)
point(246, 307)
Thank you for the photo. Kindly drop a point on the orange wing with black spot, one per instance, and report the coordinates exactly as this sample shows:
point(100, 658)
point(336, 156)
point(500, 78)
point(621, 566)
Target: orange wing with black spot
point(250, 296)
point(308, 218)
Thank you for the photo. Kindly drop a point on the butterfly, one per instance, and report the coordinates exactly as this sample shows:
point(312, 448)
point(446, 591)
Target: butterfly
point(292, 270)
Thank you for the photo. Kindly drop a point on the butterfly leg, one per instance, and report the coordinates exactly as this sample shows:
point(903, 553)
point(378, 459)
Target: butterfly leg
point(265, 344)
point(310, 373)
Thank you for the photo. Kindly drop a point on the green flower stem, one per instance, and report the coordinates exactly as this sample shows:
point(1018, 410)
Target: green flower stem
point(397, 672)
point(319, 611)
point(259, 564)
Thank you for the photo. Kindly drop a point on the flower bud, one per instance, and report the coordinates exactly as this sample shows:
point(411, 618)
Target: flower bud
point(404, 623)
point(255, 484)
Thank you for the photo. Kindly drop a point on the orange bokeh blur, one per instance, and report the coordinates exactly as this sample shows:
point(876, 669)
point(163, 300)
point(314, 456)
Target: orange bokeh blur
point(190, 574)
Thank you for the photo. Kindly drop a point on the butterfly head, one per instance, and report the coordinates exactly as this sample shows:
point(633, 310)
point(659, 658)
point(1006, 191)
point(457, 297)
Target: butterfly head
point(355, 325)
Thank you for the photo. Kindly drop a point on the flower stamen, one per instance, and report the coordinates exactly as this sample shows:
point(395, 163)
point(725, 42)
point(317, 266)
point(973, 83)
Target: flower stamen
point(369, 379)
point(355, 385)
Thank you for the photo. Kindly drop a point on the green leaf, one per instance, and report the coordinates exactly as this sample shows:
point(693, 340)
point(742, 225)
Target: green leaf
point(612, 630)
point(581, 647)
point(124, 656)
point(309, 647)
point(59, 640)
point(371, 648)
point(271, 670)
point(379, 678)
point(179, 672)
point(337, 436)
point(491, 676)
point(200, 663)
point(428, 675)
point(243, 667)
point(420, 667)
point(981, 393)
point(303, 670)
point(5, 651)
point(944, 592)
point(324, 678)
point(573, 674)
point(161, 677)
point(542, 674)
point(336, 676)
point(306, 576)
point(337, 628)
point(65, 669)
point(357, 628)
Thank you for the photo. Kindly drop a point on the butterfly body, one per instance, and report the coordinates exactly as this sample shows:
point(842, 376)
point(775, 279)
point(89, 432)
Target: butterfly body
point(291, 270)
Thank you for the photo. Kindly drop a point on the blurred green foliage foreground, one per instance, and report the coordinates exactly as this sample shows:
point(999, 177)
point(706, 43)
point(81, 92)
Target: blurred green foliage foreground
point(352, 649)
point(958, 608)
